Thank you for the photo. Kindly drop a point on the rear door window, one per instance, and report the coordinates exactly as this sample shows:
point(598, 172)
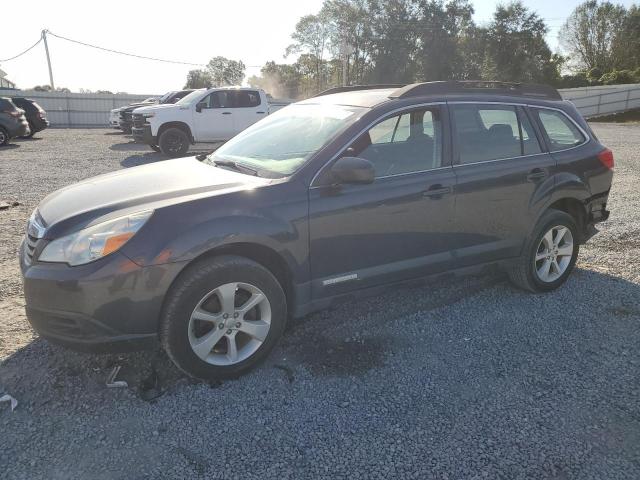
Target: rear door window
point(492, 132)
point(246, 98)
point(560, 131)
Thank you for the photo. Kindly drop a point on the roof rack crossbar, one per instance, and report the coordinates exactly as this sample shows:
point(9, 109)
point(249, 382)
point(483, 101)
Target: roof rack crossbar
point(476, 86)
point(353, 88)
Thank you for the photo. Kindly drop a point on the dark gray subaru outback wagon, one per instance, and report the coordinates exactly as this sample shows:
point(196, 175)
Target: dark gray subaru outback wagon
point(335, 196)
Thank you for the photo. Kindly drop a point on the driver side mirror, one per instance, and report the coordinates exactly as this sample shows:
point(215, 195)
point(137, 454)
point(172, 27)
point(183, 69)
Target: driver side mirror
point(353, 170)
point(200, 106)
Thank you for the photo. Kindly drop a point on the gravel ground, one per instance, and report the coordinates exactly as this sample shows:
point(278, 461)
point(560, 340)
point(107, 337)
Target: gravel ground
point(463, 378)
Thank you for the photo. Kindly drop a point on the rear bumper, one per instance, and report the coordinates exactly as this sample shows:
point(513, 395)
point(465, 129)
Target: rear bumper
point(38, 124)
point(596, 208)
point(112, 304)
point(17, 128)
point(144, 135)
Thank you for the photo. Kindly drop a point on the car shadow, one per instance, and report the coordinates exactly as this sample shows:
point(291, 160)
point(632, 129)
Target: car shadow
point(130, 147)
point(115, 132)
point(10, 146)
point(143, 159)
point(326, 344)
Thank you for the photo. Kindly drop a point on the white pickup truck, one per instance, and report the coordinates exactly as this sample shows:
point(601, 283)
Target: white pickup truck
point(206, 115)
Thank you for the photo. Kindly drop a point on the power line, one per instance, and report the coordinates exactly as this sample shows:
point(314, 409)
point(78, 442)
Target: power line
point(125, 53)
point(22, 53)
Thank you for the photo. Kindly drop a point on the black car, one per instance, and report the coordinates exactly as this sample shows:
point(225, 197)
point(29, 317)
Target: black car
point(36, 116)
point(13, 122)
point(326, 200)
point(126, 113)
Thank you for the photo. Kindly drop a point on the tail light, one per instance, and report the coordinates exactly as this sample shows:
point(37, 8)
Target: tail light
point(13, 113)
point(606, 158)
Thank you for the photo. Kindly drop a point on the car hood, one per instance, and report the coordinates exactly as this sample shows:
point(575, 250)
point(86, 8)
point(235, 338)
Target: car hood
point(135, 189)
point(156, 108)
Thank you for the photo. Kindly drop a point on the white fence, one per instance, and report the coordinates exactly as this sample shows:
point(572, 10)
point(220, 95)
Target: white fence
point(604, 100)
point(92, 109)
point(76, 109)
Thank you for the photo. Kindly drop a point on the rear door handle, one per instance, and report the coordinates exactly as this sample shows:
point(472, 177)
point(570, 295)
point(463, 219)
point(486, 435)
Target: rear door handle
point(226, 113)
point(436, 191)
point(536, 174)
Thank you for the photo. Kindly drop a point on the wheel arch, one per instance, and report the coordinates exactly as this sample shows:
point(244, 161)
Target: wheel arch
point(180, 125)
point(259, 253)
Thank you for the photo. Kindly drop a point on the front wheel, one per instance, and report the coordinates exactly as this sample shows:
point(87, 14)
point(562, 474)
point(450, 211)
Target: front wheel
point(550, 254)
point(4, 137)
point(223, 317)
point(173, 142)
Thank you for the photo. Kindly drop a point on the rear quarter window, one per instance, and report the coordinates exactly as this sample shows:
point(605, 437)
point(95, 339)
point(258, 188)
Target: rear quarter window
point(559, 129)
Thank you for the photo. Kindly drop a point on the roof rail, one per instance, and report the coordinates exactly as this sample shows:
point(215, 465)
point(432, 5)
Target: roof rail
point(477, 86)
point(352, 88)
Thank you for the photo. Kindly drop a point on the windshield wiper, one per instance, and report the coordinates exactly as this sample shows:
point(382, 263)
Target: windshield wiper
point(236, 166)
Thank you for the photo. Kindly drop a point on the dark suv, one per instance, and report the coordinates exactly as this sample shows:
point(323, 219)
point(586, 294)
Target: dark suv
point(328, 199)
point(36, 116)
point(126, 113)
point(13, 122)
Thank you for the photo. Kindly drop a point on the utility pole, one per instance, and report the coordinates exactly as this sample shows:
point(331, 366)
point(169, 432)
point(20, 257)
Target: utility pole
point(46, 49)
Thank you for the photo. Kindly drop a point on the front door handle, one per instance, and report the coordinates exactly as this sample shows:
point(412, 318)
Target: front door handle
point(536, 174)
point(226, 113)
point(260, 113)
point(436, 191)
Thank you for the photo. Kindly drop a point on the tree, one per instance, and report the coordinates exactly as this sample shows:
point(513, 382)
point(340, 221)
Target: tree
point(393, 42)
point(224, 72)
point(626, 44)
point(444, 32)
point(591, 33)
point(516, 49)
point(198, 79)
point(311, 36)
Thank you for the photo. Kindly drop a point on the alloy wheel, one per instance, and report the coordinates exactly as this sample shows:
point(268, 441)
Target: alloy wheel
point(229, 324)
point(554, 254)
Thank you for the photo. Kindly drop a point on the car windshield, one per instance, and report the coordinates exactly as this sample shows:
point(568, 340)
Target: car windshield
point(282, 142)
point(188, 100)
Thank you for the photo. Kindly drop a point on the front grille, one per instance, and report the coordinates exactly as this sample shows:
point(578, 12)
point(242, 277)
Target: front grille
point(35, 231)
point(138, 120)
point(126, 116)
point(29, 247)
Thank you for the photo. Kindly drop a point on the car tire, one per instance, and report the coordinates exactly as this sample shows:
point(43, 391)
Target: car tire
point(174, 142)
point(209, 326)
point(155, 148)
point(550, 253)
point(4, 137)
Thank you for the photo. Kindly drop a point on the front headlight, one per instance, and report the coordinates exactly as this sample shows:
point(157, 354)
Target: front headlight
point(148, 115)
point(94, 242)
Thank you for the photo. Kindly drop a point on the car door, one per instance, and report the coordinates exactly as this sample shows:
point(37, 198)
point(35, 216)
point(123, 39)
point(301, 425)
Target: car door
point(248, 109)
point(213, 117)
point(501, 173)
point(395, 228)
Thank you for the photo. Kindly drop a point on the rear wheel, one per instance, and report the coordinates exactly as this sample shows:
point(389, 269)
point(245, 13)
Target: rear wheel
point(223, 317)
point(4, 137)
point(174, 142)
point(550, 254)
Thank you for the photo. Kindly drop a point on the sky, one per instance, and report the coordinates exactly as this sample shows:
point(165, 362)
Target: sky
point(254, 31)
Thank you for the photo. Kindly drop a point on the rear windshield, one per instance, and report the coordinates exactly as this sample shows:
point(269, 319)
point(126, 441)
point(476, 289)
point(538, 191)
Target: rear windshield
point(6, 104)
